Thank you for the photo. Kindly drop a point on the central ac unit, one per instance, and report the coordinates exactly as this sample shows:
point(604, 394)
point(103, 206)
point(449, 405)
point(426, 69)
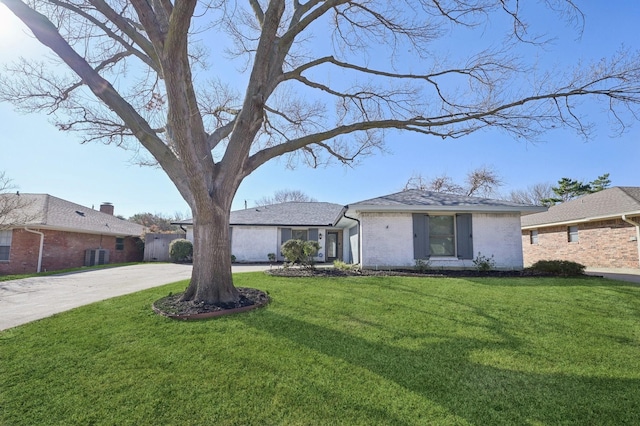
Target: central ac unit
point(96, 257)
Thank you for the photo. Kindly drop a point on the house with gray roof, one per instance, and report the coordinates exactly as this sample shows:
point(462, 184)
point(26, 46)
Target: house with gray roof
point(441, 230)
point(40, 232)
point(259, 231)
point(600, 230)
point(392, 231)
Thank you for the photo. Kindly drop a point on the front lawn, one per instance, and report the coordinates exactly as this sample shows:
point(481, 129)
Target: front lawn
point(347, 351)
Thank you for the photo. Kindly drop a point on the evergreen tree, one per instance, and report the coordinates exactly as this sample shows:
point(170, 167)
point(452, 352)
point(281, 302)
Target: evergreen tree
point(602, 182)
point(569, 189)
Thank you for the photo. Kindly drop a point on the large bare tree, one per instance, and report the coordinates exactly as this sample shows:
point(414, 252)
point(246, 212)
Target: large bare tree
point(321, 79)
point(482, 181)
point(283, 196)
point(535, 194)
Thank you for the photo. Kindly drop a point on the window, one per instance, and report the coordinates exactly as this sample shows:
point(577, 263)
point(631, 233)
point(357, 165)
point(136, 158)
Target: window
point(299, 234)
point(533, 237)
point(442, 236)
point(119, 244)
point(572, 234)
point(5, 244)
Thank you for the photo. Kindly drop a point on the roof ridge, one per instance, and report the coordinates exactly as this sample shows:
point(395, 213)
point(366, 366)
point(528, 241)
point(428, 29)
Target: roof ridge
point(625, 190)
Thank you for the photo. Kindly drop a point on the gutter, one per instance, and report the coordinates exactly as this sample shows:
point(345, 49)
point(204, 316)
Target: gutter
point(637, 225)
point(344, 214)
point(41, 249)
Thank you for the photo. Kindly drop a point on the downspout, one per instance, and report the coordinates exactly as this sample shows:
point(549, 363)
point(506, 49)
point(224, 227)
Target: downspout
point(344, 214)
point(637, 225)
point(40, 250)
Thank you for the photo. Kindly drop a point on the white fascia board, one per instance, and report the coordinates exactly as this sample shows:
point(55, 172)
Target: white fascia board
point(345, 222)
point(581, 220)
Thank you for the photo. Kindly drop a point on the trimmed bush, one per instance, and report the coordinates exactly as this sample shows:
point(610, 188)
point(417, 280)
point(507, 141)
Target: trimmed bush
point(181, 250)
point(302, 252)
point(343, 266)
point(564, 268)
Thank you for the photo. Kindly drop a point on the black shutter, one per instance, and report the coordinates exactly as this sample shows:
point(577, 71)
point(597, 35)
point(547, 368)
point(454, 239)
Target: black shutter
point(285, 234)
point(420, 236)
point(464, 236)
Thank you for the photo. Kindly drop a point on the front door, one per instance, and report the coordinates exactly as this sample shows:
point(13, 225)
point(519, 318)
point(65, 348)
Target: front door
point(332, 246)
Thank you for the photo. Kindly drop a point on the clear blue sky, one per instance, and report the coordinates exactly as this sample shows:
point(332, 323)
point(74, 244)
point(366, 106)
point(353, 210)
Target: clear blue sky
point(41, 159)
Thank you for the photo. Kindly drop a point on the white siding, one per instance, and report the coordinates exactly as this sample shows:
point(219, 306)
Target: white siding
point(190, 233)
point(253, 243)
point(352, 245)
point(387, 241)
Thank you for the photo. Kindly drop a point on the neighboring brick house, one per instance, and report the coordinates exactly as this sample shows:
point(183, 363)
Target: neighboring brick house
point(47, 233)
point(599, 230)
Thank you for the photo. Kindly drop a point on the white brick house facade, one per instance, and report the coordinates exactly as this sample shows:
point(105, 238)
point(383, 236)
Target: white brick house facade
point(393, 231)
point(397, 230)
point(388, 241)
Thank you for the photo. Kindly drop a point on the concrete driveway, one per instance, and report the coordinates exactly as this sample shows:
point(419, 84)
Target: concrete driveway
point(23, 301)
point(620, 274)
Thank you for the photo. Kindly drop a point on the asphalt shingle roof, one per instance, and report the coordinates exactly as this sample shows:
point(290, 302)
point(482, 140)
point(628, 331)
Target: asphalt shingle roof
point(327, 214)
point(286, 214)
point(610, 202)
point(290, 213)
point(49, 212)
point(415, 198)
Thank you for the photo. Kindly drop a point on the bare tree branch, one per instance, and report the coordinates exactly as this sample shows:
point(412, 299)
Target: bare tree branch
point(15, 209)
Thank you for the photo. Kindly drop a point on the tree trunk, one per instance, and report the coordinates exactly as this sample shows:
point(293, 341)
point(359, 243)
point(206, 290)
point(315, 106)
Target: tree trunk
point(211, 279)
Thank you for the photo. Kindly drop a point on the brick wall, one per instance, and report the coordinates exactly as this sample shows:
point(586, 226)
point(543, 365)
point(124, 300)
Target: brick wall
point(602, 244)
point(63, 250)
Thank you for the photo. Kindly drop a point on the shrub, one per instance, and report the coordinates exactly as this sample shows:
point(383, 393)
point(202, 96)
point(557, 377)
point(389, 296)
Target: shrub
point(565, 268)
point(302, 252)
point(422, 265)
point(484, 263)
point(181, 250)
point(342, 266)
point(233, 258)
point(272, 257)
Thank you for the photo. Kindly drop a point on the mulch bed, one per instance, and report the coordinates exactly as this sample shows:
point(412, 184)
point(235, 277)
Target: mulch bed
point(332, 272)
point(172, 307)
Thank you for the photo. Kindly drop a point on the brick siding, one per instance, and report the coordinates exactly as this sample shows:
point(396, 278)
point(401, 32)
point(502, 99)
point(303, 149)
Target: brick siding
point(601, 244)
point(63, 250)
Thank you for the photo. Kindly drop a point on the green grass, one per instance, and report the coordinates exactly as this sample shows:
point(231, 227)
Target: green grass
point(349, 351)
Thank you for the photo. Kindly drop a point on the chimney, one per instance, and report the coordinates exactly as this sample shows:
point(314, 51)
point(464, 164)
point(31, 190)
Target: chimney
point(106, 208)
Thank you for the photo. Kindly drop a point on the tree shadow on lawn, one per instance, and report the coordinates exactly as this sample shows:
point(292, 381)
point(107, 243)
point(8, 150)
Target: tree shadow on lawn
point(443, 373)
